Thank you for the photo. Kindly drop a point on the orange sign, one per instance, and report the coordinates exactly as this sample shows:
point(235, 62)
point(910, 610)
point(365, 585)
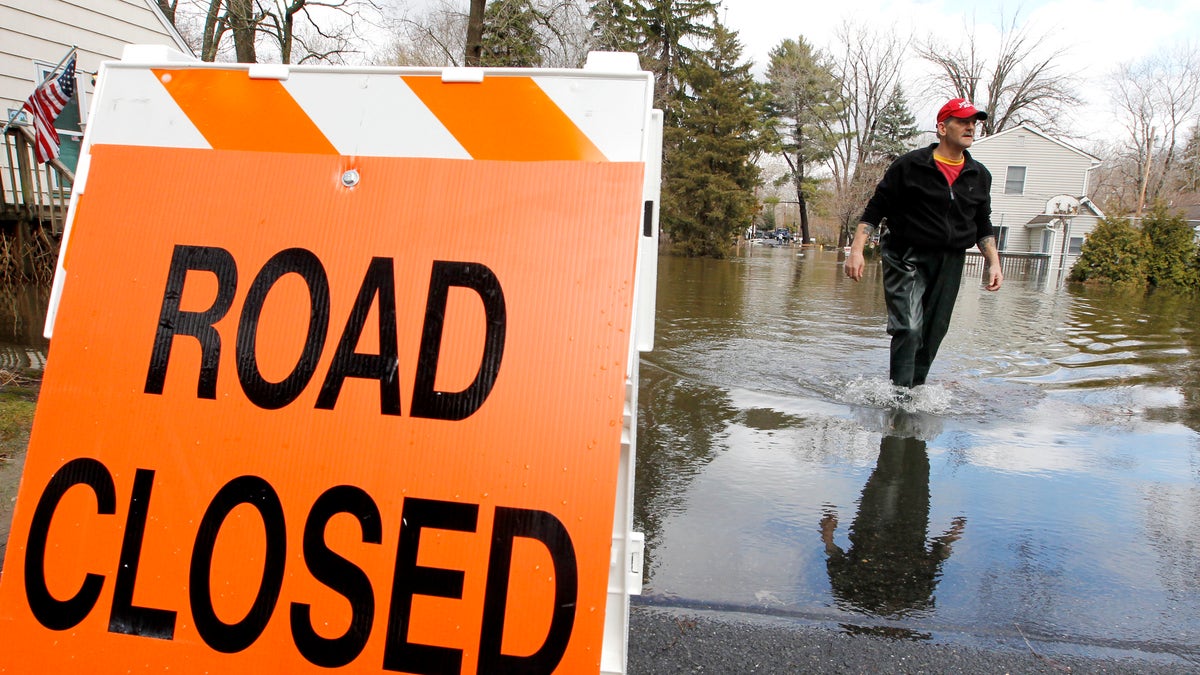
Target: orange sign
point(290, 425)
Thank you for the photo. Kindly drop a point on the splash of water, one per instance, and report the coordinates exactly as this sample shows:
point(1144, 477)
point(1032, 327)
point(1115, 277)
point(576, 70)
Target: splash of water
point(879, 393)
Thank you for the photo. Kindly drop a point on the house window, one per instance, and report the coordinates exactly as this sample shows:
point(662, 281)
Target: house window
point(1014, 182)
point(1001, 237)
point(1047, 240)
point(1075, 246)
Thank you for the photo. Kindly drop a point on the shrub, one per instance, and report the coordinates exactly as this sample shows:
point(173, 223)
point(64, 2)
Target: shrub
point(1115, 252)
point(1170, 251)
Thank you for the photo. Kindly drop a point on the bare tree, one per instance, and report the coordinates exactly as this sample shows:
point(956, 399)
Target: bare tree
point(1023, 84)
point(565, 29)
point(437, 36)
point(867, 65)
point(1113, 184)
point(338, 34)
point(243, 19)
point(1156, 98)
point(290, 31)
point(215, 26)
point(168, 8)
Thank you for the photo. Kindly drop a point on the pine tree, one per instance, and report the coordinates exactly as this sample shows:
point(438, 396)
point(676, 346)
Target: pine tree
point(616, 25)
point(510, 37)
point(803, 106)
point(709, 176)
point(662, 32)
point(895, 130)
point(672, 27)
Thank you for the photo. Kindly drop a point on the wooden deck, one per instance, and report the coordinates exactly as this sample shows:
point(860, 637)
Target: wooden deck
point(33, 209)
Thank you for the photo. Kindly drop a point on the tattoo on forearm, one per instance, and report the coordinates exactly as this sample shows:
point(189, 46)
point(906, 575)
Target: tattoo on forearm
point(987, 244)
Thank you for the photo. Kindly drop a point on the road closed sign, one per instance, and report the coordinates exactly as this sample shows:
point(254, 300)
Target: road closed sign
point(338, 377)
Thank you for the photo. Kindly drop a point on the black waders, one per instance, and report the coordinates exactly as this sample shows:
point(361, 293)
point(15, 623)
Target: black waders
point(920, 287)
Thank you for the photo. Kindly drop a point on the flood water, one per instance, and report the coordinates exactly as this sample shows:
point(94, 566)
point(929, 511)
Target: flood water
point(1045, 485)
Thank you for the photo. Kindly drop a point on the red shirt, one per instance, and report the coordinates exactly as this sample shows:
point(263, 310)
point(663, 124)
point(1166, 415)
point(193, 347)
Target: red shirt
point(949, 169)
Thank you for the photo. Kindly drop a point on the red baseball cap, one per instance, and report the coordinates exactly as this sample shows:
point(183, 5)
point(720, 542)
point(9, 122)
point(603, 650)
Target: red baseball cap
point(960, 108)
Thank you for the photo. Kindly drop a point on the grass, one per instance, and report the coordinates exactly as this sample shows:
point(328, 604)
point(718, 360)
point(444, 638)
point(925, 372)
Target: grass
point(18, 398)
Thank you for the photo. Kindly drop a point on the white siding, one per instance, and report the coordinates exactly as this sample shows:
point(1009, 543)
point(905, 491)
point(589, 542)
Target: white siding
point(44, 31)
point(1051, 169)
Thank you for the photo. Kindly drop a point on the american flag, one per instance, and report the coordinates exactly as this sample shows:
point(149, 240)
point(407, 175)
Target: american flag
point(44, 106)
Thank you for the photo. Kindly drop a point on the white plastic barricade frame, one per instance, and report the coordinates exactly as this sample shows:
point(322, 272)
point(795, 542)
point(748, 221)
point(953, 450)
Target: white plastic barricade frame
point(343, 373)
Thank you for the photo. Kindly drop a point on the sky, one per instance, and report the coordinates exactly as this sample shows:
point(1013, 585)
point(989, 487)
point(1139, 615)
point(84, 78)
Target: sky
point(1092, 37)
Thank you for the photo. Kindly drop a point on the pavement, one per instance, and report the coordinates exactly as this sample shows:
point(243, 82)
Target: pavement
point(665, 639)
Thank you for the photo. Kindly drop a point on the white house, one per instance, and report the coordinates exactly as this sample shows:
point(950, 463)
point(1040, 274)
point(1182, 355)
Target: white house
point(36, 35)
point(1040, 185)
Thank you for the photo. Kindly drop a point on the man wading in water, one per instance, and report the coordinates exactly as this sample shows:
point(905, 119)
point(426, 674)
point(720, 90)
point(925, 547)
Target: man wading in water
point(937, 204)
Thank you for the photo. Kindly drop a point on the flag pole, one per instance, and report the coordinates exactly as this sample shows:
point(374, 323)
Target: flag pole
point(55, 71)
point(74, 48)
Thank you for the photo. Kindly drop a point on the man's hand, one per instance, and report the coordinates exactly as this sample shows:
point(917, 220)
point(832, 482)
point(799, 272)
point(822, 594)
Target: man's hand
point(993, 276)
point(855, 265)
point(854, 261)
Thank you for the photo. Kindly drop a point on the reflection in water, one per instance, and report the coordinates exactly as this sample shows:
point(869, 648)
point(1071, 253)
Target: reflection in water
point(891, 567)
point(675, 441)
point(22, 319)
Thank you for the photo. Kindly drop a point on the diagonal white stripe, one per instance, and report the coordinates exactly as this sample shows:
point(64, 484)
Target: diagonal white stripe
point(372, 114)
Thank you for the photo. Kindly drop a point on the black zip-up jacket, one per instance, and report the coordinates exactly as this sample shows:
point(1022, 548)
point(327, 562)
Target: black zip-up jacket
point(925, 212)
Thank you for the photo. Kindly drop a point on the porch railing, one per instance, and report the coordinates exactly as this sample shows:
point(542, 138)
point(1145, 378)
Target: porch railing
point(32, 193)
point(1024, 265)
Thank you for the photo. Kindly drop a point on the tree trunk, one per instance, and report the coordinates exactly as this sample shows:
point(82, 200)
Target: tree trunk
point(844, 235)
point(285, 40)
point(475, 33)
point(797, 168)
point(242, 20)
point(803, 204)
point(1145, 177)
point(168, 10)
point(212, 31)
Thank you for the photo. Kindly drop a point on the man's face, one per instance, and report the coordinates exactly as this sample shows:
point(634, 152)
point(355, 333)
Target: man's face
point(959, 131)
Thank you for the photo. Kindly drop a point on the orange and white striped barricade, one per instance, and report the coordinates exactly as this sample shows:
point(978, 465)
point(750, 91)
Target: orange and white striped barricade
point(343, 374)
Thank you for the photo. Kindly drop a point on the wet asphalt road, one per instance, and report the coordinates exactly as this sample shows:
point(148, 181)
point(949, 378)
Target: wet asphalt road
point(666, 640)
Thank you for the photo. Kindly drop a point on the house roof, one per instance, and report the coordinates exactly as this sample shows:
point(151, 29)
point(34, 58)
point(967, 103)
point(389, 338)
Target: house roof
point(1034, 130)
point(1091, 206)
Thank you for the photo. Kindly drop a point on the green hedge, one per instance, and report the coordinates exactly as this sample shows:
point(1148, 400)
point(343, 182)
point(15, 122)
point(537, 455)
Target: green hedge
point(1162, 253)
